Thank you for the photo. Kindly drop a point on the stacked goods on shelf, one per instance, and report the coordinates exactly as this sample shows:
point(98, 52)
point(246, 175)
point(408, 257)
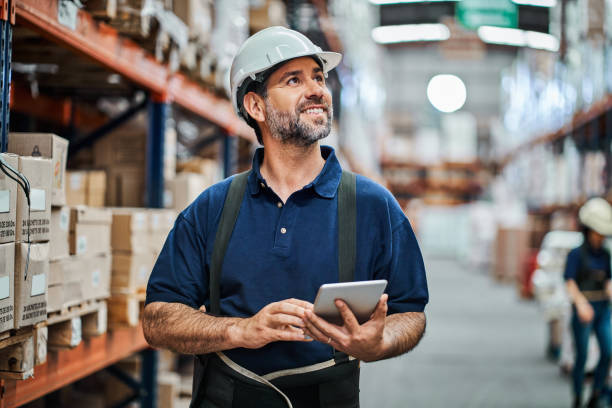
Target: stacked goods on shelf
point(160, 223)
point(86, 187)
point(79, 274)
point(133, 260)
point(8, 201)
point(194, 177)
point(121, 154)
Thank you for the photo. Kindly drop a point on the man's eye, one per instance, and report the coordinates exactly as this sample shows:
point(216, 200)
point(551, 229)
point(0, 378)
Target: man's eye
point(293, 81)
point(319, 78)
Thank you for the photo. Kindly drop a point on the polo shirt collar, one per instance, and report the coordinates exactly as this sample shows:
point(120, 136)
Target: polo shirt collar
point(325, 184)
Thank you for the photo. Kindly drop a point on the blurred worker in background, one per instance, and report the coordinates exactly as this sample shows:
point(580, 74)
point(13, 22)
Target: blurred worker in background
point(587, 276)
point(293, 214)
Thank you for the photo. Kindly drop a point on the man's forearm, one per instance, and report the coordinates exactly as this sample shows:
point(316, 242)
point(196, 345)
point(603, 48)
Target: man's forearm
point(403, 331)
point(180, 328)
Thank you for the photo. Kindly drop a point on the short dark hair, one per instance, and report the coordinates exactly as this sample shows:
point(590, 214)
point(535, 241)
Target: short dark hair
point(259, 87)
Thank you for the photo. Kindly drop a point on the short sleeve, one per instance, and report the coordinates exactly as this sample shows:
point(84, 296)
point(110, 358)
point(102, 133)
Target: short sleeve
point(571, 265)
point(407, 287)
point(179, 273)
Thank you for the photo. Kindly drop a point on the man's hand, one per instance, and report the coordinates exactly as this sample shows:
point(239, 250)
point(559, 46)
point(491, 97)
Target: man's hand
point(279, 321)
point(585, 312)
point(365, 342)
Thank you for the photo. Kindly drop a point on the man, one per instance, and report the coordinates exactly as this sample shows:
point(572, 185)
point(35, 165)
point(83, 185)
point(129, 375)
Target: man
point(262, 345)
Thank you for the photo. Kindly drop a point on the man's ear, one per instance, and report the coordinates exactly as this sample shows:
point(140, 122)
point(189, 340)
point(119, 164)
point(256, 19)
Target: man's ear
point(254, 105)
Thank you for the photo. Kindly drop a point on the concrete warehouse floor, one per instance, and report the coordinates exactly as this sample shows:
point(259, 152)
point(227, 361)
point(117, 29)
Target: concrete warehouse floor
point(484, 347)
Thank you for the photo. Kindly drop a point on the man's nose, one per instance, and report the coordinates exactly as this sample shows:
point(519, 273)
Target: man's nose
point(315, 89)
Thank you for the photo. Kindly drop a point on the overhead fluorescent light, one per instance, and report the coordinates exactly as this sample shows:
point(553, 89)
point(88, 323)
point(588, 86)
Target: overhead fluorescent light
point(542, 41)
point(382, 2)
point(410, 33)
point(538, 3)
point(518, 38)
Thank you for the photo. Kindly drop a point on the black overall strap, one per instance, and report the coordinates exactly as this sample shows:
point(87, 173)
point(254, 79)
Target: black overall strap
point(231, 208)
point(347, 227)
point(347, 236)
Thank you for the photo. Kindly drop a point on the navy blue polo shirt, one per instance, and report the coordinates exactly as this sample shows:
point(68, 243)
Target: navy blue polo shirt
point(287, 250)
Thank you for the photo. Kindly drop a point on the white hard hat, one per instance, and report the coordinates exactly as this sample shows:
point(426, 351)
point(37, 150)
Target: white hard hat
point(597, 215)
point(268, 47)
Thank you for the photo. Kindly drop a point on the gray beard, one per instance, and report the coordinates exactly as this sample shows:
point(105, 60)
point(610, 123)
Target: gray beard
point(289, 129)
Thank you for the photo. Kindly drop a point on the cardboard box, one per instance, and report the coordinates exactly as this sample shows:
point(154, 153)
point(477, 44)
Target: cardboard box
point(90, 230)
point(39, 173)
point(60, 233)
point(161, 220)
point(96, 277)
point(55, 298)
point(186, 187)
point(7, 297)
point(86, 188)
point(65, 282)
point(31, 289)
point(96, 188)
point(130, 230)
point(66, 270)
point(130, 272)
point(125, 186)
point(8, 200)
point(76, 188)
point(49, 146)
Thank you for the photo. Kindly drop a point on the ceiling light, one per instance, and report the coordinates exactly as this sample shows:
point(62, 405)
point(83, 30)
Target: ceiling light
point(518, 38)
point(446, 93)
point(538, 3)
point(410, 33)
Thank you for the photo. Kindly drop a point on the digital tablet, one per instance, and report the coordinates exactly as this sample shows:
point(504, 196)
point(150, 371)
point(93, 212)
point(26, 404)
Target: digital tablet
point(361, 297)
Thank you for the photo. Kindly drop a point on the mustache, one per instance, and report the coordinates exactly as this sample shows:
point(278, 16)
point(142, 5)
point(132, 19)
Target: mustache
point(313, 102)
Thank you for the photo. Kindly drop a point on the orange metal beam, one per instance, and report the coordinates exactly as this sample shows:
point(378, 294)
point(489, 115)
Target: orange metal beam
point(54, 110)
point(104, 45)
point(66, 366)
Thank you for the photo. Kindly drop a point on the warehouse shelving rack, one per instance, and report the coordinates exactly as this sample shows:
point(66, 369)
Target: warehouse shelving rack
point(102, 45)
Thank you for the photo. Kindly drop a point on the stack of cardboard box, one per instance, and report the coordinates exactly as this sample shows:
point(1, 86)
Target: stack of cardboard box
point(8, 211)
point(86, 187)
point(132, 263)
point(42, 160)
point(161, 222)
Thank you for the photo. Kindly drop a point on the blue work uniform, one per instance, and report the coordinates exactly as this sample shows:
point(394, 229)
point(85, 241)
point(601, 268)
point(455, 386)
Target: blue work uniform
point(590, 269)
point(287, 250)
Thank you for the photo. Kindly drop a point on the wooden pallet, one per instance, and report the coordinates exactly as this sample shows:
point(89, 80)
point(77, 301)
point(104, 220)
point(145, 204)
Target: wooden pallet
point(17, 354)
point(69, 326)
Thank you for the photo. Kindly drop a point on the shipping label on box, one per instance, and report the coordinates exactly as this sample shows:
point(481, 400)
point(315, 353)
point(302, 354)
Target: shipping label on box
point(31, 283)
point(49, 146)
point(96, 276)
point(60, 233)
point(35, 219)
point(55, 297)
point(8, 201)
point(7, 298)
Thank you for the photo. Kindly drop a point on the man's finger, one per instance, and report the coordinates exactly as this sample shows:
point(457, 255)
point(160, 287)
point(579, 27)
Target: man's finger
point(314, 332)
point(328, 329)
point(350, 322)
point(288, 308)
point(291, 335)
point(381, 308)
point(281, 319)
point(302, 303)
point(203, 309)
